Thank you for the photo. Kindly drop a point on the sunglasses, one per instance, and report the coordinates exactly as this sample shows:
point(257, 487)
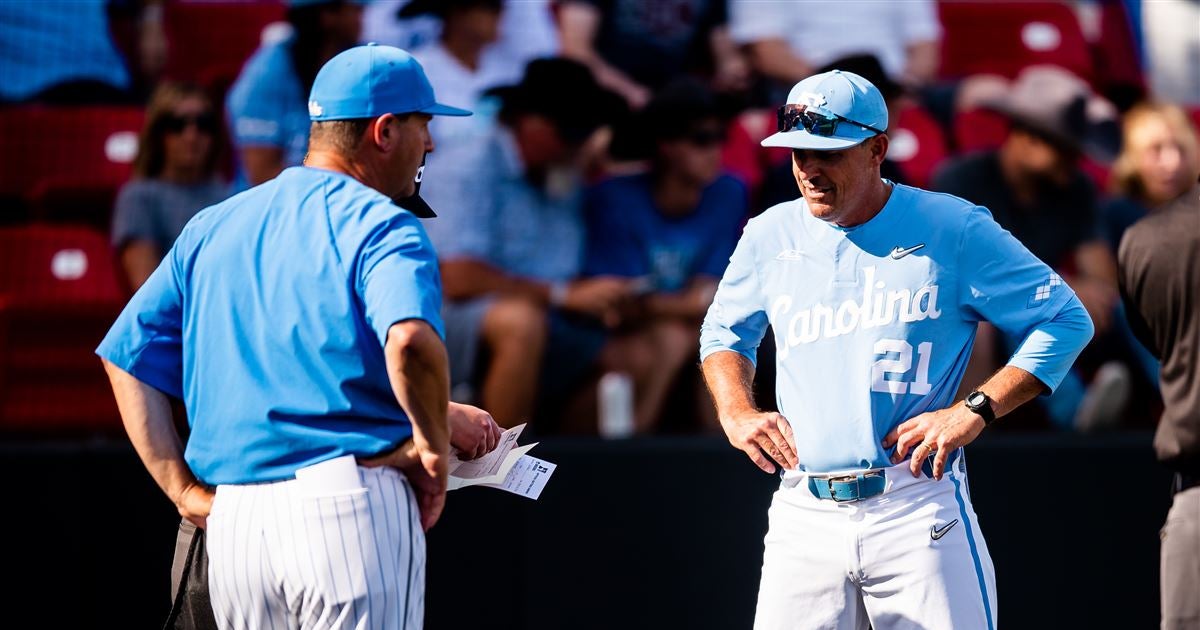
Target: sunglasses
point(816, 122)
point(177, 124)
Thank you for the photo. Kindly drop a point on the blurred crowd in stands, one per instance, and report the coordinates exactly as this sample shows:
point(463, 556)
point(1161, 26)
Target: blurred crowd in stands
point(588, 208)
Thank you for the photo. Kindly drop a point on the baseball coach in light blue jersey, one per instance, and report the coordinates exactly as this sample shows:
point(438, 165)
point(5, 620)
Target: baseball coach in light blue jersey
point(300, 323)
point(873, 291)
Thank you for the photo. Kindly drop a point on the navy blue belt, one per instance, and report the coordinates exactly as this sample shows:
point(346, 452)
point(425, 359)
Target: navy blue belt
point(845, 488)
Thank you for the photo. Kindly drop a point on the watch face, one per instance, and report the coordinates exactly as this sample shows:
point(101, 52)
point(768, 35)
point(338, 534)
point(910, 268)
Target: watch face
point(975, 399)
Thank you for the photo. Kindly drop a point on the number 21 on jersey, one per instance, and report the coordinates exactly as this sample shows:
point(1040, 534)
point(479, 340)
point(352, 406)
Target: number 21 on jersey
point(892, 366)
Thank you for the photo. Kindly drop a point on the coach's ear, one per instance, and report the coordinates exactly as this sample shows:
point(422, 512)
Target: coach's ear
point(878, 146)
point(382, 133)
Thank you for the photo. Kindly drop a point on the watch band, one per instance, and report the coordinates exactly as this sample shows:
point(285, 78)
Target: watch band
point(984, 409)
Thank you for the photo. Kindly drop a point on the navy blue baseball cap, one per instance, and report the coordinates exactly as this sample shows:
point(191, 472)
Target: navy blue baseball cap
point(830, 111)
point(373, 80)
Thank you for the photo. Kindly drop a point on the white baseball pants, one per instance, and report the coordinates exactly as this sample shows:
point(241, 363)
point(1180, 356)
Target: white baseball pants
point(912, 557)
point(323, 552)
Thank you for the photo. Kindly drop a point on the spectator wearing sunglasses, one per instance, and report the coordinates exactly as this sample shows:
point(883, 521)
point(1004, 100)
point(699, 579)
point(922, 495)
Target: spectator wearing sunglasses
point(672, 228)
point(175, 176)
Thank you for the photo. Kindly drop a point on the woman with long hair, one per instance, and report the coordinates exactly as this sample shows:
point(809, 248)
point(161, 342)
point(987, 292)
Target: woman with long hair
point(1159, 162)
point(175, 176)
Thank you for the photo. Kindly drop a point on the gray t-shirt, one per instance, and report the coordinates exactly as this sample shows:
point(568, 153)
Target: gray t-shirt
point(154, 210)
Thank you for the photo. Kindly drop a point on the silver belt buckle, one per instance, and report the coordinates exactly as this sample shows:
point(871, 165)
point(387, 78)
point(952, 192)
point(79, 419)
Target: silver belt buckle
point(829, 481)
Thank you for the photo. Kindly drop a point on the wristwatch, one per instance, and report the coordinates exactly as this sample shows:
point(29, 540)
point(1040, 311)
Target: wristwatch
point(979, 403)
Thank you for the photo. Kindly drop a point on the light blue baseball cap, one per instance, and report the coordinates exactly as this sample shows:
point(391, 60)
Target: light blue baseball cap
point(829, 111)
point(372, 80)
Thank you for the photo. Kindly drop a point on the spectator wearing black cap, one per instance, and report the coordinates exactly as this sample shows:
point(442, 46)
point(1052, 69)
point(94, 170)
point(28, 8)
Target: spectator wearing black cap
point(267, 104)
point(673, 228)
point(510, 238)
point(1034, 187)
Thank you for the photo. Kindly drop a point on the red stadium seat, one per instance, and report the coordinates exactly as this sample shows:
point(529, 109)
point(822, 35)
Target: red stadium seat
point(1118, 70)
point(58, 295)
point(1098, 172)
point(1004, 37)
point(51, 150)
point(208, 42)
point(917, 144)
point(979, 129)
point(57, 263)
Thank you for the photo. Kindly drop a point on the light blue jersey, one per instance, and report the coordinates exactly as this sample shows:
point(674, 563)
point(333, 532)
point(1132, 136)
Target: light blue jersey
point(269, 318)
point(874, 324)
point(267, 107)
point(45, 43)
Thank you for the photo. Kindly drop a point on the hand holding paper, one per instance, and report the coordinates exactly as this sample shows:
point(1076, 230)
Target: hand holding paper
point(507, 468)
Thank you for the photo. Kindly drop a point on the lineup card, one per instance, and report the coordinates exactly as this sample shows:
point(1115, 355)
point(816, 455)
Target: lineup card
point(527, 477)
point(506, 467)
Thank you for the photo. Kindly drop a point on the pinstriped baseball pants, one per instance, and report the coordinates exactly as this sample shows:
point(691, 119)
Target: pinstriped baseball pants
point(281, 558)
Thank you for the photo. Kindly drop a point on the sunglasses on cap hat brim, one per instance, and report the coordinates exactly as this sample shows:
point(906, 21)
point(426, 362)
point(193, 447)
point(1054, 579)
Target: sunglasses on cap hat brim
point(816, 121)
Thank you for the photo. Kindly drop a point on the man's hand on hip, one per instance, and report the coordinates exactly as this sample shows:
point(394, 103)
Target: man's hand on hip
point(936, 433)
point(195, 503)
point(427, 471)
point(765, 437)
point(472, 430)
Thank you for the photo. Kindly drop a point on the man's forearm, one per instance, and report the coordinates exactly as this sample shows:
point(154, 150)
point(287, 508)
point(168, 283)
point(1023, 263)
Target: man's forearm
point(146, 414)
point(774, 58)
point(1049, 349)
point(464, 279)
point(1009, 388)
point(419, 373)
point(730, 380)
point(692, 302)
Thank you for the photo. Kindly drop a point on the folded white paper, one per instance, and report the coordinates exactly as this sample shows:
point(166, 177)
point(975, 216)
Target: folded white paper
point(527, 477)
point(506, 467)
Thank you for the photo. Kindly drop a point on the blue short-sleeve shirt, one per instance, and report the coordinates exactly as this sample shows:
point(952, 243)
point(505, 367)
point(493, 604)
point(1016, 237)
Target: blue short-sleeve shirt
point(628, 236)
point(268, 107)
point(45, 43)
point(269, 316)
